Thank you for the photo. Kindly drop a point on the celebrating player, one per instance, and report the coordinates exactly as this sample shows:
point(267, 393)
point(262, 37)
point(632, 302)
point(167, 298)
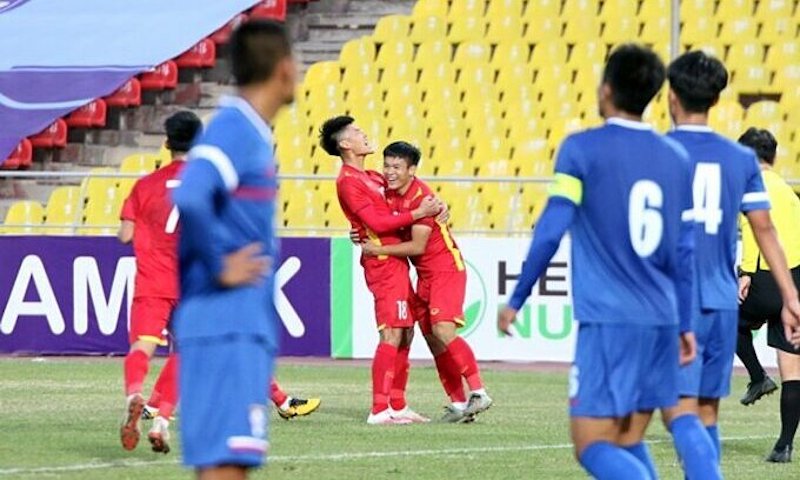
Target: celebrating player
point(441, 283)
point(362, 199)
point(630, 268)
point(726, 181)
point(226, 325)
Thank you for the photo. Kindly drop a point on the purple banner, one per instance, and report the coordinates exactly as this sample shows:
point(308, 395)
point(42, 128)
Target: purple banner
point(72, 295)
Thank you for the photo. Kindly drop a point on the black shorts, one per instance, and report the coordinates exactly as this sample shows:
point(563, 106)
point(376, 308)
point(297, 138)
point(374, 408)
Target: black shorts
point(763, 305)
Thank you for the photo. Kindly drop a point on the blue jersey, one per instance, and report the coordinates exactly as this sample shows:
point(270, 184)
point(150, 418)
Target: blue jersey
point(727, 180)
point(631, 186)
point(227, 200)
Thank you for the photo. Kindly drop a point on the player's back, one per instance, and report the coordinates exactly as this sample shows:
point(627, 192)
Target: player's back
point(635, 186)
point(726, 180)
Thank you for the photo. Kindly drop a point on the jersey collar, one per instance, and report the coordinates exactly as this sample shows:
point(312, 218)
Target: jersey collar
point(625, 123)
point(694, 128)
point(249, 112)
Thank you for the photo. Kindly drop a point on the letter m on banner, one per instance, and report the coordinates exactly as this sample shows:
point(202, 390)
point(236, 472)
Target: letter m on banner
point(87, 282)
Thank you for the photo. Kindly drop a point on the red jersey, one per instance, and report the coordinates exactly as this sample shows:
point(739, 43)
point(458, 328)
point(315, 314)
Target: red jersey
point(441, 252)
point(155, 237)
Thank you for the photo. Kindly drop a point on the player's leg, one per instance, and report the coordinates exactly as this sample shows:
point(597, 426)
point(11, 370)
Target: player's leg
point(288, 406)
point(167, 385)
point(398, 406)
point(789, 366)
point(760, 383)
point(631, 439)
point(224, 472)
point(383, 365)
point(596, 449)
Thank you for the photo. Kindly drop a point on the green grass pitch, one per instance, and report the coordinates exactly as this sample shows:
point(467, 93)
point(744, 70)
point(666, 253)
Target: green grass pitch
point(59, 419)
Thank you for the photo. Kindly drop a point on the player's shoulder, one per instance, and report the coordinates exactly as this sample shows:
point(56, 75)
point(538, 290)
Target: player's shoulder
point(423, 188)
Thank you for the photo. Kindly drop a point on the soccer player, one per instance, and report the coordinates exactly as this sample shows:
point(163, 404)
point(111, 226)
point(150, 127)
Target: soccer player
point(361, 196)
point(621, 190)
point(441, 283)
point(761, 299)
point(226, 325)
point(148, 220)
point(726, 181)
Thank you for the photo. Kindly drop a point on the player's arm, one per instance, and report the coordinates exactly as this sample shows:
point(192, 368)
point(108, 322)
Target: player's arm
point(125, 233)
point(128, 216)
point(381, 223)
point(420, 234)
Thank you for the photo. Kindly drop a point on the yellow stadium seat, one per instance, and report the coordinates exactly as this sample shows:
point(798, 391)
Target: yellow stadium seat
point(769, 9)
point(512, 93)
point(356, 52)
point(787, 76)
point(545, 29)
point(396, 51)
point(656, 30)
point(653, 9)
point(442, 74)
point(451, 157)
point(734, 30)
point(64, 208)
point(581, 29)
point(490, 149)
point(430, 8)
point(467, 8)
point(515, 76)
point(293, 154)
point(142, 163)
point(428, 29)
point(586, 53)
point(727, 118)
point(290, 122)
point(744, 54)
point(735, 8)
point(484, 120)
point(783, 53)
point(472, 53)
point(549, 54)
point(504, 29)
point(24, 212)
point(534, 199)
point(360, 107)
point(463, 29)
point(433, 53)
point(502, 8)
point(101, 213)
point(98, 187)
point(619, 9)
point(399, 73)
point(390, 28)
point(472, 75)
point(510, 54)
point(698, 29)
point(403, 92)
point(777, 29)
point(763, 112)
point(580, 8)
point(541, 9)
point(322, 73)
point(617, 30)
point(751, 79)
point(530, 158)
point(356, 75)
point(328, 97)
point(691, 9)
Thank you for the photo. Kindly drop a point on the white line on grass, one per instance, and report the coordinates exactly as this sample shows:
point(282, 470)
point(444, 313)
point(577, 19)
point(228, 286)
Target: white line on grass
point(330, 457)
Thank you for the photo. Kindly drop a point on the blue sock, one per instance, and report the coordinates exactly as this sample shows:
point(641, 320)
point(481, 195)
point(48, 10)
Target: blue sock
point(695, 448)
point(713, 432)
point(606, 461)
point(642, 453)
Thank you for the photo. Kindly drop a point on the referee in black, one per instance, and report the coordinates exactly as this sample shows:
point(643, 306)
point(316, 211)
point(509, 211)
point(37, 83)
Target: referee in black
point(761, 300)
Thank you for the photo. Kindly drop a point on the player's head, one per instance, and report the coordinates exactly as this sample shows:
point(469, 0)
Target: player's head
point(631, 78)
point(341, 137)
point(261, 58)
point(762, 142)
point(181, 128)
point(400, 160)
point(695, 81)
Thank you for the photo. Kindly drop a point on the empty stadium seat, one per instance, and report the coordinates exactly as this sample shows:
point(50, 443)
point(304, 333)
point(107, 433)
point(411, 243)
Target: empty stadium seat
point(54, 136)
point(20, 157)
point(26, 215)
point(128, 95)
point(505, 29)
point(430, 8)
point(502, 8)
point(162, 77)
point(612, 9)
point(64, 209)
point(202, 55)
point(433, 53)
point(467, 8)
point(463, 29)
point(321, 73)
point(617, 29)
point(223, 34)
point(142, 163)
point(510, 54)
point(390, 28)
point(745, 53)
point(359, 51)
point(427, 29)
point(542, 29)
point(735, 29)
point(90, 115)
point(394, 52)
point(472, 53)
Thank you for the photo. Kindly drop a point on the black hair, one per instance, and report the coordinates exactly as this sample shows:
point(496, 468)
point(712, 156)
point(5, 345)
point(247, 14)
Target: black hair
point(256, 47)
point(762, 141)
point(635, 74)
point(697, 79)
point(403, 150)
point(181, 128)
point(329, 133)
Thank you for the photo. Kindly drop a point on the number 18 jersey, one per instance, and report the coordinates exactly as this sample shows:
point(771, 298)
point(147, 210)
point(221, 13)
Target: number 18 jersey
point(632, 186)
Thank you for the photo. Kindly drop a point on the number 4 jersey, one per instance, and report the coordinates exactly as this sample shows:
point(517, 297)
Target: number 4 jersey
point(727, 180)
point(632, 186)
point(155, 239)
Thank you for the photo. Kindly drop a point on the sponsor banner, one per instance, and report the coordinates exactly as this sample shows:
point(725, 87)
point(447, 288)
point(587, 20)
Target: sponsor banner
point(72, 295)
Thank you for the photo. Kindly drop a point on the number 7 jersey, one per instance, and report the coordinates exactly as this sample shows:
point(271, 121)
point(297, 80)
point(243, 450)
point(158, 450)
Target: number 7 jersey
point(631, 186)
point(727, 180)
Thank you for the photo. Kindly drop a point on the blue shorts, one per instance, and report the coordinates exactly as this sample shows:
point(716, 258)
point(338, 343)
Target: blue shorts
point(623, 369)
point(709, 375)
point(223, 386)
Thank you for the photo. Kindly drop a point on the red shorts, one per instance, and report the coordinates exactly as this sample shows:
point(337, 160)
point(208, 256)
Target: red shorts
point(150, 317)
point(440, 298)
point(389, 283)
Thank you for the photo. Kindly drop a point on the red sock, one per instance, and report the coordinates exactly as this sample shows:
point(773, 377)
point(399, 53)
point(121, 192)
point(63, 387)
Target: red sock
point(450, 377)
point(277, 395)
point(382, 376)
point(167, 375)
point(167, 385)
point(136, 365)
point(397, 394)
point(465, 361)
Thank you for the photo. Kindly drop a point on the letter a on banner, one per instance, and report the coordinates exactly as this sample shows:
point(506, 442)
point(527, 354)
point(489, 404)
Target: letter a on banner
point(32, 268)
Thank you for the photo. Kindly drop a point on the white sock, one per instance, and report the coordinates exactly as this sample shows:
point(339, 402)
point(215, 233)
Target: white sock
point(286, 403)
point(459, 405)
point(480, 391)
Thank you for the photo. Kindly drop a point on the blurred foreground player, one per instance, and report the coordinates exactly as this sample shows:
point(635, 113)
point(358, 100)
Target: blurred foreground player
point(226, 325)
point(631, 269)
point(761, 297)
point(441, 284)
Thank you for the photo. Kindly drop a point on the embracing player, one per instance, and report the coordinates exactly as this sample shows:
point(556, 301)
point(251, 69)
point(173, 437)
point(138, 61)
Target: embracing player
point(441, 283)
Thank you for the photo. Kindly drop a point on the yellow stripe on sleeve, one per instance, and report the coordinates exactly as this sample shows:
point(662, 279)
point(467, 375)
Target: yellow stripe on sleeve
point(568, 187)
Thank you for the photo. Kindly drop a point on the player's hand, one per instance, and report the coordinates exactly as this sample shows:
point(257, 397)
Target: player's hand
point(245, 266)
point(790, 315)
point(744, 287)
point(430, 206)
point(505, 318)
point(370, 249)
point(444, 215)
point(354, 236)
point(688, 348)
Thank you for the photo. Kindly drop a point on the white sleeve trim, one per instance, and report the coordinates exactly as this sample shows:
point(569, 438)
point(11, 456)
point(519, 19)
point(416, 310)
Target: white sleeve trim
point(754, 197)
point(219, 159)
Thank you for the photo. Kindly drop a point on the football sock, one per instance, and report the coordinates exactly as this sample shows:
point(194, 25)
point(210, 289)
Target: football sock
point(136, 365)
point(397, 394)
point(464, 359)
point(605, 461)
point(450, 377)
point(713, 432)
point(382, 376)
point(642, 453)
point(167, 384)
point(277, 395)
point(747, 354)
point(790, 412)
point(695, 448)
